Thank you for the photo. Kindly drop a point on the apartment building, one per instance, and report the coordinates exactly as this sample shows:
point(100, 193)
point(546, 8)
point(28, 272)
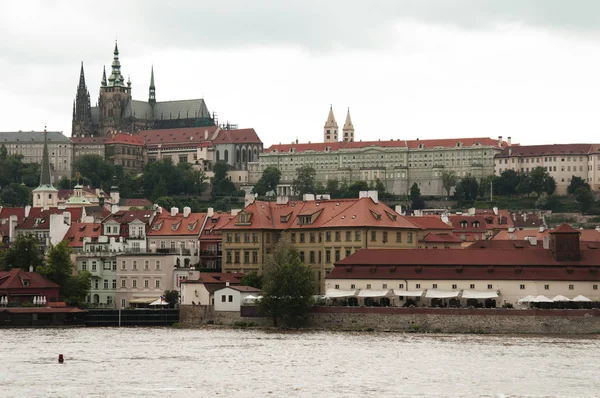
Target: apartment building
point(562, 161)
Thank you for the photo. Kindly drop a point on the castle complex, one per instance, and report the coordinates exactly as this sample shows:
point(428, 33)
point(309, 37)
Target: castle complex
point(116, 111)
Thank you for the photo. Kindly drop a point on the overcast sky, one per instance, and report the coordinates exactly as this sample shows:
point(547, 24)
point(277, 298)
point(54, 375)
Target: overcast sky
point(407, 69)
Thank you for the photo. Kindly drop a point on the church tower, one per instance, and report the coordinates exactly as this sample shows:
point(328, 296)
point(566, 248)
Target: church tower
point(152, 90)
point(348, 129)
point(114, 96)
point(82, 110)
point(330, 131)
point(45, 195)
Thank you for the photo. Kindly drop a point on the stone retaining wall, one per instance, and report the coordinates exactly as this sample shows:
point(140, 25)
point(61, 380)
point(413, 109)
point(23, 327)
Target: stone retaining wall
point(440, 320)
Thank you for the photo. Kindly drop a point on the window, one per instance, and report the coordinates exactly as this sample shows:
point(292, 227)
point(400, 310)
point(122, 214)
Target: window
point(434, 286)
point(327, 256)
point(338, 236)
point(123, 265)
point(246, 257)
point(384, 286)
point(337, 286)
point(123, 283)
point(471, 286)
point(301, 256)
point(357, 236)
point(134, 265)
point(453, 286)
point(398, 237)
point(223, 298)
point(146, 283)
point(254, 257)
point(418, 286)
point(146, 265)
point(409, 237)
point(401, 286)
point(546, 287)
point(84, 265)
point(114, 283)
point(490, 286)
point(157, 264)
point(134, 283)
point(293, 237)
point(348, 236)
point(384, 237)
point(352, 286)
point(157, 283)
point(337, 255)
point(230, 297)
point(312, 237)
point(237, 238)
point(373, 236)
point(246, 238)
point(571, 287)
point(312, 257)
point(228, 238)
point(106, 284)
point(228, 257)
point(522, 287)
point(254, 237)
point(236, 257)
point(328, 236)
point(595, 287)
point(368, 285)
point(94, 265)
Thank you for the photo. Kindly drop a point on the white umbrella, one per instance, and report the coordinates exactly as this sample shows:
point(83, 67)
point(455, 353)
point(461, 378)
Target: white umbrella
point(3, 300)
point(159, 301)
point(542, 299)
point(526, 299)
point(44, 300)
point(560, 298)
point(581, 298)
point(35, 300)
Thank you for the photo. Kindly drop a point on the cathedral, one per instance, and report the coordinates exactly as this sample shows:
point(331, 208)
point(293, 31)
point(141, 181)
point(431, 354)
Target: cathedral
point(117, 112)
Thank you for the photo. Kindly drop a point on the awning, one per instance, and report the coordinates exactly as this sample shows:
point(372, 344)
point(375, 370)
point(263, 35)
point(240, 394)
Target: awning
point(581, 298)
point(408, 293)
point(473, 294)
point(337, 293)
point(143, 300)
point(440, 294)
point(542, 299)
point(526, 299)
point(372, 293)
point(158, 301)
point(560, 298)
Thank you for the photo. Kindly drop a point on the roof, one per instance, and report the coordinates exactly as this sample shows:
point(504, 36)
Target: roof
point(166, 225)
point(191, 135)
point(585, 235)
point(40, 219)
point(341, 213)
point(548, 150)
point(526, 220)
point(127, 216)
point(236, 136)
point(77, 231)
point(244, 289)
point(454, 257)
point(32, 136)
point(564, 228)
point(503, 244)
point(40, 310)
point(88, 140)
point(471, 223)
point(135, 202)
point(13, 279)
point(220, 277)
point(440, 238)
point(410, 144)
point(127, 139)
point(6, 212)
point(182, 109)
point(429, 222)
point(213, 224)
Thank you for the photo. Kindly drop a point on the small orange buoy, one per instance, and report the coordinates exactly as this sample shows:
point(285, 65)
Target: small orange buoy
point(61, 359)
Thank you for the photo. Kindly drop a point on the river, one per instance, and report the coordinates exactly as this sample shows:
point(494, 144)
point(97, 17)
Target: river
point(163, 362)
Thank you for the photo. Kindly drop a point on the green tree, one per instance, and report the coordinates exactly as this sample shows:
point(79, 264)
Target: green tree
point(353, 190)
point(93, 167)
point(468, 188)
point(268, 181)
point(449, 180)
point(222, 185)
point(23, 253)
point(288, 286)
point(252, 279)
point(585, 198)
point(64, 183)
point(15, 195)
point(506, 183)
point(576, 183)
point(539, 181)
point(332, 187)
point(415, 192)
point(305, 180)
point(166, 202)
point(485, 186)
point(59, 269)
point(171, 297)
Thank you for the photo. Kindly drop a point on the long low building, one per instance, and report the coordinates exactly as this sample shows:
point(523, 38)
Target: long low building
point(511, 274)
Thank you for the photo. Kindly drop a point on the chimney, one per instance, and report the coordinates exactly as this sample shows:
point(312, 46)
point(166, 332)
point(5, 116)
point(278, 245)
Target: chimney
point(227, 284)
point(499, 141)
point(533, 241)
point(249, 199)
point(206, 134)
point(27, 210)
point(174, 211)
point(210, 212)
point(509, 151)
point(31, 268)
point(508, 141)
point(12, 225)
point(495, 210)
point(524, 216)
point(546, 242)
point(307, 197)
point(283, 200)
point(542, 228)
point(374, 195)
point(186, 212)
point(398, 209)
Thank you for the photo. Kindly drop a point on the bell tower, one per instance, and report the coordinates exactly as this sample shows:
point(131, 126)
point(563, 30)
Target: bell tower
point(45, 195)
point(114, 96)
point(348, 129)
point(330, 131)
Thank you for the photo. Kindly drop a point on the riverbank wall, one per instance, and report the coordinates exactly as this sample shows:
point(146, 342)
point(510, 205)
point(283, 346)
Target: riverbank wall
point(426, 320)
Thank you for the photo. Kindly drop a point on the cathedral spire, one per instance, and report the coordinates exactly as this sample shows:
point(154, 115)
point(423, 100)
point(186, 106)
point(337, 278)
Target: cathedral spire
point(45, 179)
point(81, 78)
point(103, 83)
point(348, 129)
point(82, 112)
point(45, 195)
point(330, 133)
point(152, 90)
point(116, 78)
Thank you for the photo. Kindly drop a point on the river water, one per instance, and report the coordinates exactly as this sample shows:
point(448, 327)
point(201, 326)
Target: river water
point(162, 362)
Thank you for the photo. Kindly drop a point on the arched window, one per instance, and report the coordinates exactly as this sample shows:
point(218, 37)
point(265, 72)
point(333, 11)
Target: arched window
point(226, 155)
point(237, 155)
point(243, 156)
point(218, 156)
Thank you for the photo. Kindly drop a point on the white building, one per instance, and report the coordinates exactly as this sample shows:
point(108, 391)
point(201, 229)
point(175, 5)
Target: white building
point(231, 298)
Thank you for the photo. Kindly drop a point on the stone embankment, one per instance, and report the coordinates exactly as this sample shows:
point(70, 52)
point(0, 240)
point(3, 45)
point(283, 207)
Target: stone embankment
point(426, 320)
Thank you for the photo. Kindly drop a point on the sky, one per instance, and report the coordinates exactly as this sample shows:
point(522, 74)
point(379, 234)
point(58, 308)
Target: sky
point(406, 69)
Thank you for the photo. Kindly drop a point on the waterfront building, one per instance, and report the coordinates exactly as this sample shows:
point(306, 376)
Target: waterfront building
point(398, 164)
point(129, 229)
point(48, 226)
point(562, 161)
point(200, 290)
point(117, 111)
point(211, 240)
point(19, 286)
point(505, 275)
point(323, 231)
point(231, 298)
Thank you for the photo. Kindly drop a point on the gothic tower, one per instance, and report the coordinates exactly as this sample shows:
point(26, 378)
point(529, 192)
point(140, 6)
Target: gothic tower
point(82, 110)
point(45, 195)
point(152, 90)
point(348, 129)
point(114, 96)
point(330, 131)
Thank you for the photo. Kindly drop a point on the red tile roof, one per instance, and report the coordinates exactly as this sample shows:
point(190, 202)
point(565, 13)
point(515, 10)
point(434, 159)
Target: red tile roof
point(440, 238)
point(217, 277)
point(135, 202)
point(429, 222)
point(503, 244)
point(152, 138)
point(586, 235)
point(237, 137)
point(564, 228)
point(341, 213)
point(13, 279)
point(245, 289)
point(124, 139)
point(88, 140)
point(166, 225)
point(548, 150)
point(40, 219)
point(127, 216)
point(471, 225)
point(78, 231)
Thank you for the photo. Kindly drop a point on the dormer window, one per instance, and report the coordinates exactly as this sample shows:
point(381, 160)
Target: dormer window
point(304, 220)
point(26, 282)
point(475, 224)
point(192, 226)
point(157, 226)
point(464, 224)
point(285, 218)
point(175, 226)
point(376, 215)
